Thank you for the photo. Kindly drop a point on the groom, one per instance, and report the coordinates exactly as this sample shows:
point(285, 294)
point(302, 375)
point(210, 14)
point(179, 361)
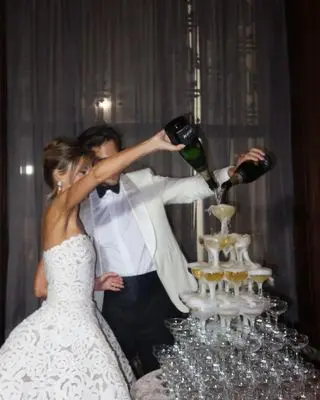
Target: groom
point(127, 219)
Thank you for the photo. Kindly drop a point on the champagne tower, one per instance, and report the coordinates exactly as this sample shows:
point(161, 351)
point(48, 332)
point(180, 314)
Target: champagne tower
point(232, 287)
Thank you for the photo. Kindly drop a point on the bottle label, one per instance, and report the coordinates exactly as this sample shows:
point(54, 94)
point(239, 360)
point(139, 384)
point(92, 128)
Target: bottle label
point(186, 135)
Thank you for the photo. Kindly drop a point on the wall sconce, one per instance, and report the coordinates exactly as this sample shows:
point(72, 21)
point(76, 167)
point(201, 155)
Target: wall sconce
point(103, 108)
point(26, 169)
point(105, 104)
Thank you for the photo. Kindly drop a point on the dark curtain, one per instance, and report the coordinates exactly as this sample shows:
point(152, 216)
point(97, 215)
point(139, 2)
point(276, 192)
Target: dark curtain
point(136, 64)
point(245, 102)
point(66, 60)
point(304, 39)
point(3, 175)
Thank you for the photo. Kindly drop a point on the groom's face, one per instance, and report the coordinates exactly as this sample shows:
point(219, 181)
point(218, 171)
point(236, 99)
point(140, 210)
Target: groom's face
point(107, 149)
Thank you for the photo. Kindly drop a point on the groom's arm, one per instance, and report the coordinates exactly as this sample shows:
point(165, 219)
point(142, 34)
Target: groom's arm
point(188, 190)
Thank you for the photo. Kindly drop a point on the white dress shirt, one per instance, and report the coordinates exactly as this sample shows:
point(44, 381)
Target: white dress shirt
point(117, 236)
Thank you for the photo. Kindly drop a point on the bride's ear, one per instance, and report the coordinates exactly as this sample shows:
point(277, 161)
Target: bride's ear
point(58, 183)
point(57, 176)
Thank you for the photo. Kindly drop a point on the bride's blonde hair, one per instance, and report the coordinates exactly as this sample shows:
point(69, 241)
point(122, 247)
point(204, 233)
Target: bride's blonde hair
point(59, 155)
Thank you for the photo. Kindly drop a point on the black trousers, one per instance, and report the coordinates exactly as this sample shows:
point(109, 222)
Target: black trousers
point(136, 315)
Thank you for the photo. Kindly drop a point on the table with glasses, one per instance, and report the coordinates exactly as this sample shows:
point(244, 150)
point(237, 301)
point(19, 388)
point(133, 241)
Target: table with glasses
point(232, 346)
point(261, 362)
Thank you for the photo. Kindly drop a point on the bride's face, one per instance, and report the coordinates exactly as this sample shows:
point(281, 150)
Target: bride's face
point(75, 172)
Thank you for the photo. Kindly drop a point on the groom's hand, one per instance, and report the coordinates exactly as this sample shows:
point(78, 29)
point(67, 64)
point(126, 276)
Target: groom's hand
point(109, 281)
point(160, 141)
point(253, 154)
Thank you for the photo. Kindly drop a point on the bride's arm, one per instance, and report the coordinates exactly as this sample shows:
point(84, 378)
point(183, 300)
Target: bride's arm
point(114, 165)
point(40, 281)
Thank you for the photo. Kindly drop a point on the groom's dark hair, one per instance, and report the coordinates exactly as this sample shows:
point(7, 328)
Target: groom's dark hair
point(95, 136)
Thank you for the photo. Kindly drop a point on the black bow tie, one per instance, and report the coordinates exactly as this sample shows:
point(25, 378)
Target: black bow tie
point(102, 189)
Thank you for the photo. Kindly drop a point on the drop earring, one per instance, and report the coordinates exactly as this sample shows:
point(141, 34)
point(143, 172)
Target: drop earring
point(59, 186)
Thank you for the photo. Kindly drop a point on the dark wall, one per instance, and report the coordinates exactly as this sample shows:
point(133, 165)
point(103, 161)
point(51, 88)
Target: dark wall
point(304, 53)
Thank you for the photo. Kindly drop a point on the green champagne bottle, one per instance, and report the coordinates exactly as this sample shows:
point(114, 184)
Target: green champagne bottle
point(180, 131)
point(249, 171)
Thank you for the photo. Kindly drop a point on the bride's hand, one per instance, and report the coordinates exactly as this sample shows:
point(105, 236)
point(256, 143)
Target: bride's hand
point(109, 281)
point(160, 141)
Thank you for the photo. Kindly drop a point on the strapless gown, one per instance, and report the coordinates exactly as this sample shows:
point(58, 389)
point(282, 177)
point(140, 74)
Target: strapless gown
point(65, 350)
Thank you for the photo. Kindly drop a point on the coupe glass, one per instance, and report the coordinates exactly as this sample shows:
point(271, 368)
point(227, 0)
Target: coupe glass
point(212, 245)
point(260, 275)
point(236, 276)
point(224, 213)
point(197, 272)
point(275, 340)
point(213, 277)
point(277, 307)
point(297, 343)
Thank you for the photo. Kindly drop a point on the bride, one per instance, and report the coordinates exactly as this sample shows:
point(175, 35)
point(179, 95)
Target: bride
point(65, 350)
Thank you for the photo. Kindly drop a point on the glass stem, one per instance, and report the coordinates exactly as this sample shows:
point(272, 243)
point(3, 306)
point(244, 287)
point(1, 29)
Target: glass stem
point(212, 290)
point(224, 227)
point(203, 288)
point(250, 290)
point(203, 326)
point(296, 356)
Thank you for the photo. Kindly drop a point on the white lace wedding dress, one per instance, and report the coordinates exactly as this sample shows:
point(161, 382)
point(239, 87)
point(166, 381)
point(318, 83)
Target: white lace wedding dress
point(65, 350)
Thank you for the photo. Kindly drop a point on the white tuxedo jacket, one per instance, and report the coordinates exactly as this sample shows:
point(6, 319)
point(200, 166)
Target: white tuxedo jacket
point(148, 195)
